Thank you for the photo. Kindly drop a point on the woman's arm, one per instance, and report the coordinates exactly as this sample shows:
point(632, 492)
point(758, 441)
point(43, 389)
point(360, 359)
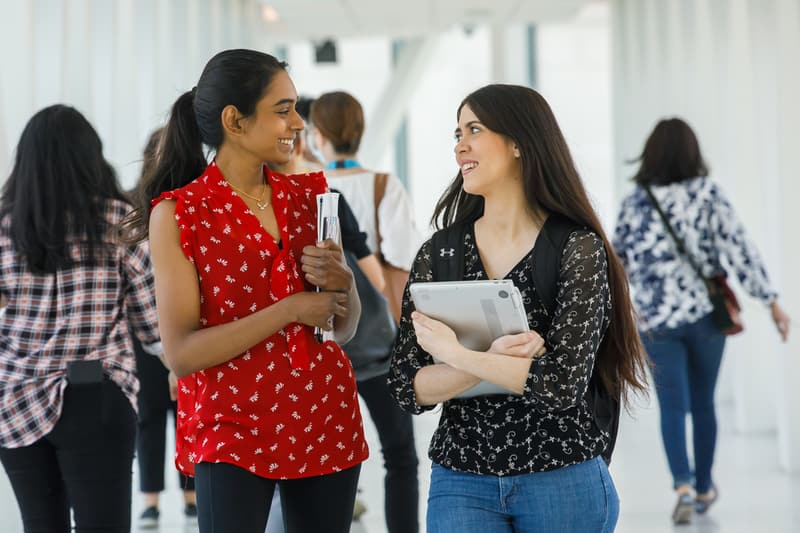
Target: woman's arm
point(557, 377)
point(506, 364)
point(344, 327)
point(415, 381)
point(187, 348)
point(139, 297)
point(732, 242)
point(437, 383)
point(371, 268)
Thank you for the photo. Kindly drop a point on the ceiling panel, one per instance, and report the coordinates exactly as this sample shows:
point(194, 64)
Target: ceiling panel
point(318, 19)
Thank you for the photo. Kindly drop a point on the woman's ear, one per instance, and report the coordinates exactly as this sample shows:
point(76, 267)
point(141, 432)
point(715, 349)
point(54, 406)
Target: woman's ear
point(232, 120)
point(516, 151)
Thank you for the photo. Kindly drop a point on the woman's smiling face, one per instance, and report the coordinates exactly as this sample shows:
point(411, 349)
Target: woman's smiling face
point(486, 159)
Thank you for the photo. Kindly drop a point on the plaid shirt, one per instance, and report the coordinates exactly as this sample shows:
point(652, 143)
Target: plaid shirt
point(79, 313)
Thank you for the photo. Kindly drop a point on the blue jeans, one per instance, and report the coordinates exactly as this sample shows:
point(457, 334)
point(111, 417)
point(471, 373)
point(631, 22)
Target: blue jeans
point(686, 365)
point(577, 498)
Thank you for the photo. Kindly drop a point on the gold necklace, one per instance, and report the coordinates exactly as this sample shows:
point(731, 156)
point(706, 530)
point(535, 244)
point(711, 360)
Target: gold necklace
point(260, 203)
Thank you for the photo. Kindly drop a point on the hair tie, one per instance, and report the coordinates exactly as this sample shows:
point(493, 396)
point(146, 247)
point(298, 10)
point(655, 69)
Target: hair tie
point(194, 91)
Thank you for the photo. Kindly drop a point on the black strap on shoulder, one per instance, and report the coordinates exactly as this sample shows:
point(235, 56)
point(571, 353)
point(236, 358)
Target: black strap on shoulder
point(546, 266)
point(546, 258)
point(447, 251)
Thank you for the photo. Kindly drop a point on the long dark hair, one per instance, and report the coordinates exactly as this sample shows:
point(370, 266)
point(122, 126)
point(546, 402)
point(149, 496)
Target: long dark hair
point(232, 77)
point(57, 190)
point(671, 154)
point(552, 185)
point(149, 159)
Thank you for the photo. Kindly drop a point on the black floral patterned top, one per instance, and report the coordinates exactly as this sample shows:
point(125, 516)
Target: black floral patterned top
point(550, 425)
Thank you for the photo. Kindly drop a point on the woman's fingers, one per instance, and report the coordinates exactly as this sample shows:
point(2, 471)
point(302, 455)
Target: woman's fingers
point(528, 344)
point(421, 319)
point(519, 338)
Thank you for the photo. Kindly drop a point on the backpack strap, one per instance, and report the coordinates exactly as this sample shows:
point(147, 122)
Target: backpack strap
point(546, 258)
point(379, 188)
point(447, 253)
point(546, 266)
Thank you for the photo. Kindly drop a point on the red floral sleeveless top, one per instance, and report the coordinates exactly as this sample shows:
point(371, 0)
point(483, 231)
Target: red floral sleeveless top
point(287, 407)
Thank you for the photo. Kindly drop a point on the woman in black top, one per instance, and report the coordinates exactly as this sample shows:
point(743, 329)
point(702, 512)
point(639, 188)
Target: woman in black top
point(531, 461)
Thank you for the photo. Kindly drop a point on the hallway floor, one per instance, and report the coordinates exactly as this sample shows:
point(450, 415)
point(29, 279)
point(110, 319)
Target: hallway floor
point(754, 494)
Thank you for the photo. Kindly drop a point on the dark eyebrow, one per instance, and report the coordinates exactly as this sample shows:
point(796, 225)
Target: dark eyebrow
point(284, 102)
point(468, 125)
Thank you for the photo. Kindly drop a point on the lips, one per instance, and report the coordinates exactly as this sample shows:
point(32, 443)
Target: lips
point(467, 167)
point(286, 143)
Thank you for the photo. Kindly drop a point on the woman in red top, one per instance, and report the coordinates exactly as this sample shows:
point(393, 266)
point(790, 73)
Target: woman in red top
point(260, 400)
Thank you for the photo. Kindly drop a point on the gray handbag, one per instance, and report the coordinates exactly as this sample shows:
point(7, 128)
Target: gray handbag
point(370, 350)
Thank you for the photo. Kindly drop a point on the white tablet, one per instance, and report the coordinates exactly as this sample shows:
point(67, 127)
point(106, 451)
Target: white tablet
point(478, 311)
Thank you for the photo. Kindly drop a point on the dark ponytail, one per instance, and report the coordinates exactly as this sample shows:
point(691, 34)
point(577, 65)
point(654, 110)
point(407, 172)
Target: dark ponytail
point(178, 160)
point(232, 77)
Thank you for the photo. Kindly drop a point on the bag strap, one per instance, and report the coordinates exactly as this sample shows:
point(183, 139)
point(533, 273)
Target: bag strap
point(546, 258)
point(447, 249)
point(379, 185)
point(678, 241)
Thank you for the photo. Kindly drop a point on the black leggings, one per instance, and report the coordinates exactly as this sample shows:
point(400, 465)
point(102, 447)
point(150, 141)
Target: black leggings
point(151, 437)
point(396, 432)
point(230, 498)
point(83, 464)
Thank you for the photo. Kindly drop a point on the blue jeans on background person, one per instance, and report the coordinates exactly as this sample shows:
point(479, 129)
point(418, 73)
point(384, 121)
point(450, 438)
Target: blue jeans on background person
point(573, 499)
point(686, 365)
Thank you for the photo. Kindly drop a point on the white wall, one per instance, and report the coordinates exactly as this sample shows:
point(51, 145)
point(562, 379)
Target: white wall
point(458, 65)
point(124, 63)
point(573, 58)
point(732, 69)
point(121, 63)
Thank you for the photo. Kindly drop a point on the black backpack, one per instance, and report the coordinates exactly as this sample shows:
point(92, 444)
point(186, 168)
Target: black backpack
point(447, 251)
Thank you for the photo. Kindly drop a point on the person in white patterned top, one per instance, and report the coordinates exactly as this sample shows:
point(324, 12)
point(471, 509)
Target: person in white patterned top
point(672, 301)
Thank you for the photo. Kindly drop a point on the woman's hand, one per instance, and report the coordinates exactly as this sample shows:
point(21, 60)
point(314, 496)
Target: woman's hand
point(526, 345)
point(781, 320)
point(317, 308)
point(435, 337)
point(325, 267)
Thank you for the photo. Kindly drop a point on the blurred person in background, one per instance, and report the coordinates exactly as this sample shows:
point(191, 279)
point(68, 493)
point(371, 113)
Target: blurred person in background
point(156, 399)
point(387, 220)
point(379, 200)
point(72, 289)
point(672, 301)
